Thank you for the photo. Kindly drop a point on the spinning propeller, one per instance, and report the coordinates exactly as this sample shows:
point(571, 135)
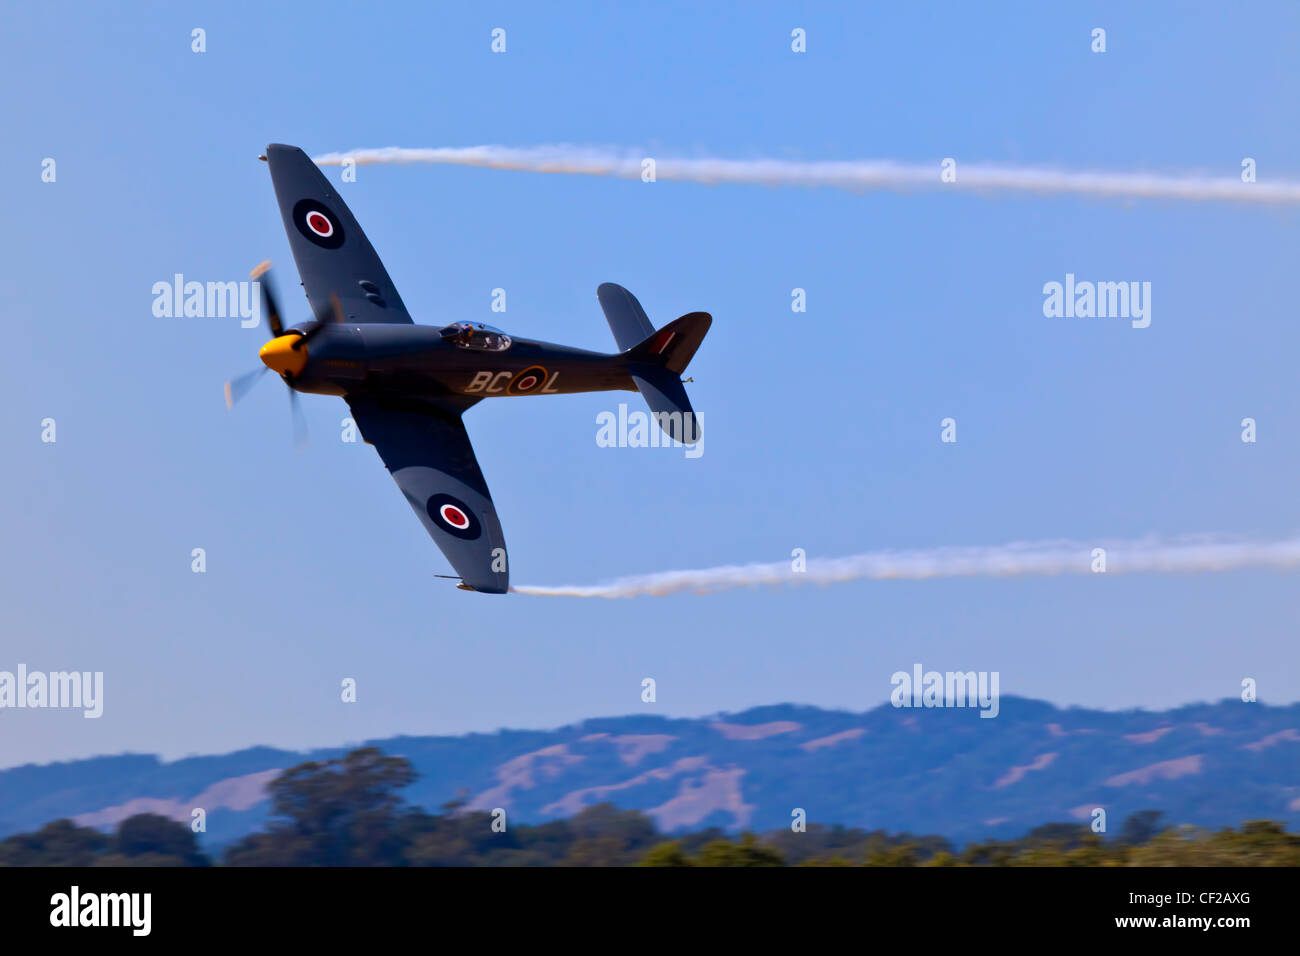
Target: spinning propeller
point(284, 353)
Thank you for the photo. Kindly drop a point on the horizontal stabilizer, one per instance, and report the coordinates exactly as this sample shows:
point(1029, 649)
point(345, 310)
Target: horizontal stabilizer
point(669, 406)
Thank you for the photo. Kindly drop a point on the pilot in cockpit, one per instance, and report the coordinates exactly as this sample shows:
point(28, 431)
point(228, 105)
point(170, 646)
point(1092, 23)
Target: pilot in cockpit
point(481, 337)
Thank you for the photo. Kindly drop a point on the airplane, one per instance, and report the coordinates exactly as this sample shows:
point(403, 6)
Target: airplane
point(408, 385)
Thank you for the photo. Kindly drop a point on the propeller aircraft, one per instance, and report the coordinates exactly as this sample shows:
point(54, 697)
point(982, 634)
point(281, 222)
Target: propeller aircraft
point(409, 385)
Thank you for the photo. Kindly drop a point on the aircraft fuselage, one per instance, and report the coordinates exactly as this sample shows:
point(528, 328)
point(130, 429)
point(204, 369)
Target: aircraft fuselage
point(418, 359)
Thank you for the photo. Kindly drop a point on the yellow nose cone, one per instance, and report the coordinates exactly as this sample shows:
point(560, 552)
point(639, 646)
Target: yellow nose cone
point(279, 355)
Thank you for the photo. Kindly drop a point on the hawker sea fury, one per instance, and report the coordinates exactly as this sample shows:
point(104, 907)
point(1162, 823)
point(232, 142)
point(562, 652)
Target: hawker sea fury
point(408, 385)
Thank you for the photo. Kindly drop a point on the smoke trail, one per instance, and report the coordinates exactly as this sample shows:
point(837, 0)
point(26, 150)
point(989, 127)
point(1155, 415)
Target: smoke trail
point(857, 175)
point(1183, 555)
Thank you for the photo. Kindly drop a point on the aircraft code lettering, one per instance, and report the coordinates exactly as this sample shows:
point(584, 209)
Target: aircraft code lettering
point(525, 383)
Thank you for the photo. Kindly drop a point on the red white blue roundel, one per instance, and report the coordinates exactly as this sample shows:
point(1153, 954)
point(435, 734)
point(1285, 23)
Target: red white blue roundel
point(529, 380)
point(454, 516)
point(318, 223)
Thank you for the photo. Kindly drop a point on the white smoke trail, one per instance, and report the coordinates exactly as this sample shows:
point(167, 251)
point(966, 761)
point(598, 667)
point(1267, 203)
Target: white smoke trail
point(857, 175)
point(1183, 555)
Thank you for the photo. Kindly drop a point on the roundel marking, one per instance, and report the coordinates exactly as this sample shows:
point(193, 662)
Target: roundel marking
point(318, 224)
point(454, 516)
point(529, 380)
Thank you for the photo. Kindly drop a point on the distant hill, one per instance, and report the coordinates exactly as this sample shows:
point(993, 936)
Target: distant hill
point(939, 771)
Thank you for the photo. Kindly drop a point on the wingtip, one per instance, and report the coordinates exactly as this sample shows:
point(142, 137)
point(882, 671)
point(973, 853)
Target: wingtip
point(492, 588)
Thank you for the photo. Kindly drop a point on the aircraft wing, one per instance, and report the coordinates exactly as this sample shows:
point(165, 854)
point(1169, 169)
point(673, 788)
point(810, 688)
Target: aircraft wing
point(332, 253)
point(424, 445)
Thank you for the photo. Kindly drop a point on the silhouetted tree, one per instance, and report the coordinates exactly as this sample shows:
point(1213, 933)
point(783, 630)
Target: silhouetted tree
point(1140, 827)
point(149, 839)
point(666, 854)
point(342, 812)
point(61, 843)
point(146, 839)
point(748, 852)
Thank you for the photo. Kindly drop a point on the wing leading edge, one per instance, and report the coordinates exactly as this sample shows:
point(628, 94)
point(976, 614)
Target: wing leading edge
point(426, 448)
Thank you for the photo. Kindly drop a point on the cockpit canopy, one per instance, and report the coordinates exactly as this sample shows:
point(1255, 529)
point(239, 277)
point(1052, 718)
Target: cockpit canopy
point(476, 335)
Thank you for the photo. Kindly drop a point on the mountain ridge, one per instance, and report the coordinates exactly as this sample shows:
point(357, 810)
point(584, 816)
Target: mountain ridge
point(944, 771)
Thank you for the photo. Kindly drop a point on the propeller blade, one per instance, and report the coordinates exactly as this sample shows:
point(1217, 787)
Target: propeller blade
point(336, 310)
point(237, 388)
point(268, 299)
point(299, 420)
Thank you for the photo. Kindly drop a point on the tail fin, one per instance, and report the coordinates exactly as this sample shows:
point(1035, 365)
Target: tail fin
point(656, 359)
point(627, 320)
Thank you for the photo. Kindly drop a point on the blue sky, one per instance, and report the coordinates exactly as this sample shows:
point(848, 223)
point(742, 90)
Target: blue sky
point(822, 429)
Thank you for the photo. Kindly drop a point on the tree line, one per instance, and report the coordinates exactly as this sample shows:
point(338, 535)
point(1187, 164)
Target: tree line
point(347, 812)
